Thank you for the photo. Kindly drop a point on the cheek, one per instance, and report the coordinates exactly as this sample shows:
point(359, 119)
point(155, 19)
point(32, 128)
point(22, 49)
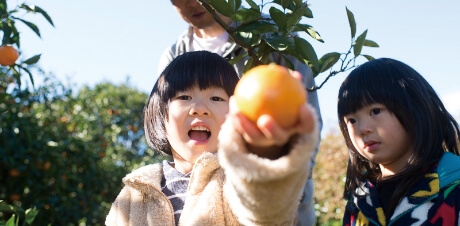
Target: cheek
point(353, 136)
point(221, 114)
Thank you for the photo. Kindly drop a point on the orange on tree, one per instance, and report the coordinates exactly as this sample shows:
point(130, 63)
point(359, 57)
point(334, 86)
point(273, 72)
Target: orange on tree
point(270, 89)
point(15, 173)
point(8, 55)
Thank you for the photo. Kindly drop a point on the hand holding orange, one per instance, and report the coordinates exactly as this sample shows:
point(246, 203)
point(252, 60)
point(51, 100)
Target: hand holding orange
point(271, 90)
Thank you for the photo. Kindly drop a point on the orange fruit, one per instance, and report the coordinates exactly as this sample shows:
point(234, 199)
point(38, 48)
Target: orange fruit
point(15, 197)
point(270, 89)
point(15, 173)
point(8, 55)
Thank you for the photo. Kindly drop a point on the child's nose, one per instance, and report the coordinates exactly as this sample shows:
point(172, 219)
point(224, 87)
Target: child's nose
point(199, 109)
point(365, 128)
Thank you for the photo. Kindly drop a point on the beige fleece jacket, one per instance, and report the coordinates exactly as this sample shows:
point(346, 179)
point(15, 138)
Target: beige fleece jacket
point(233, 187)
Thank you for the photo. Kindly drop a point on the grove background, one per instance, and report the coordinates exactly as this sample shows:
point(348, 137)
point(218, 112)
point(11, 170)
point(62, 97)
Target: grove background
point(95, 41)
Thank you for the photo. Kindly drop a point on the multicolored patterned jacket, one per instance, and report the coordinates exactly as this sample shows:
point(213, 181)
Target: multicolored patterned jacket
point(435, 200)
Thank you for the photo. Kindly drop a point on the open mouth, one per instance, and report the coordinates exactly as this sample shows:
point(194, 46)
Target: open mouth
point(199, 133)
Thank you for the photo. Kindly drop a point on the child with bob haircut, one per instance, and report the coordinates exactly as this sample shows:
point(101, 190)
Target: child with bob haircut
point(403, 167)
point(227, 170)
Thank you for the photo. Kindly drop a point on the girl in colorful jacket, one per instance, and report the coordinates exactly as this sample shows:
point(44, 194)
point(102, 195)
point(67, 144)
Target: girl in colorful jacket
point(403, 145)
point(257, 175)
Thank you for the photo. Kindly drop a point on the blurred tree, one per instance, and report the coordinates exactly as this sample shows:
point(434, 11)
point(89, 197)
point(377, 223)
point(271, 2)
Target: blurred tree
point(66, 153)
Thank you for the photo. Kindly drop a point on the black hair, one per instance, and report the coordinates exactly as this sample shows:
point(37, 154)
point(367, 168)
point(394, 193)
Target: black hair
point(406, 94)
point(201, 68)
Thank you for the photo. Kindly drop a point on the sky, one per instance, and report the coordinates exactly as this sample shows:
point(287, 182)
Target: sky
point(98, 41)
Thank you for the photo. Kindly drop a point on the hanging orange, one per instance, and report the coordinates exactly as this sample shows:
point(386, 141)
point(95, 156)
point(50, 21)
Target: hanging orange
point(8, 55)
point(270, 89)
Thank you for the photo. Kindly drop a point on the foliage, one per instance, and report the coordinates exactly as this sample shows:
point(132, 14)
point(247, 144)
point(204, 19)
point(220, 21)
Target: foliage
point(329, 177)
point(262, 35)
point(28, 215)
point(66, 154)
point(11, 36)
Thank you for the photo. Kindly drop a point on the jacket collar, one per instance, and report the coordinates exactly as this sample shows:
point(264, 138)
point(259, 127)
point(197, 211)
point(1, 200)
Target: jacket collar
point(149, 177)
point(145, 178)
point(425, 190)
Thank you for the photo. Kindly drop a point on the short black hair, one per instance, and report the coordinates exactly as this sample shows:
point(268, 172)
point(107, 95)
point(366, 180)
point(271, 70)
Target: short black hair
point(201, 68)
point(406, 94)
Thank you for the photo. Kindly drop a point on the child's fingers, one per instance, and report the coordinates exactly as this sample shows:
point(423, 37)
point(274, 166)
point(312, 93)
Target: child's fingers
point(272, 131)
point(248, 129)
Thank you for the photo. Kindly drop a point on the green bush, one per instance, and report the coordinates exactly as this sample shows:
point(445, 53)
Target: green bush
point(66, 154)
point(329, 180)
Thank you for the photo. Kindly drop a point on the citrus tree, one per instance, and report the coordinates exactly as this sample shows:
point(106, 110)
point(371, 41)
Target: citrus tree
point(65, 153)
point(10, 94)
point(266, 27)
point(11, 39)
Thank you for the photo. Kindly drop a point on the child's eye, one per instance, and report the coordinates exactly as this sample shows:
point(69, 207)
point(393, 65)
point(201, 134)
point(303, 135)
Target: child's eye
point(350, 120)
point(217, 99)
point(376, 111)
point(184, 97)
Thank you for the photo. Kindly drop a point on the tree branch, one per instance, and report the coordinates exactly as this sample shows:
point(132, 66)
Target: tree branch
point(230, 31)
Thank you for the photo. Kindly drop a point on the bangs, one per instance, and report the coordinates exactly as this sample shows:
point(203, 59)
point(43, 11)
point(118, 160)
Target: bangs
point(370, 84)
point(200, 68)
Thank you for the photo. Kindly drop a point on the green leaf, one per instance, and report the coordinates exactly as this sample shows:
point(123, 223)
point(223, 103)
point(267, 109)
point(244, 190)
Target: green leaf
point(285, 3)
point(288, 63)
point(310, 31)
point(30, 215)
point(17, 75)
point(369, 58)
point(244, 14)
point(30, 74)
point(234, 5)
point(278, 17)
point(48, 18)
point(10, 222)
point(245, 37)
point(282, 3)
point(308, 13)
point(248, 65)
point(295, 16)
point(358, 45)
point(277, 42)
point(305, 49)
point(370, 43)
point(31, 26)
point(265, 59)
point(6, 33)
point(253, 5)
point(33, 59)
point(328, 60)
point(26, 7)
point(258, 27)
point(5, 207)
point(351, 21)
point(3, 6)
point(222, 7)
point(234, 60)
point(297, 2)
point(36, 9)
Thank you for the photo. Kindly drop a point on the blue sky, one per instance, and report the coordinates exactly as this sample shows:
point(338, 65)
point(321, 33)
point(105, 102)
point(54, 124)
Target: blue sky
point(96, 41)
